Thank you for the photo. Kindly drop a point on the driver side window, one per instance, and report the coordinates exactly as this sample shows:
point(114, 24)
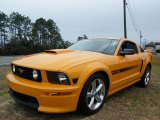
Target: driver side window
point(127, 45)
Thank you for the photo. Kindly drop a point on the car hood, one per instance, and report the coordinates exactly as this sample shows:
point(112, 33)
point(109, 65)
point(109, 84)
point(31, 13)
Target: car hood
point(57, 59)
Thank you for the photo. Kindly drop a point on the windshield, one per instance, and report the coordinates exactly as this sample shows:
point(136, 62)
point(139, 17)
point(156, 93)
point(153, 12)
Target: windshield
point(106, 46)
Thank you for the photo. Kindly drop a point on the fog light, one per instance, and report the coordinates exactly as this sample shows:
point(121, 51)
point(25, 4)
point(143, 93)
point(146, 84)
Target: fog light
point(13, 68)
point(35, 74)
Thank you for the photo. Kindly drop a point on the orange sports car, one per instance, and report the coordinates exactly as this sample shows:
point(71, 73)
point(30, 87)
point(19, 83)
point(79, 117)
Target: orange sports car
point(79, 77)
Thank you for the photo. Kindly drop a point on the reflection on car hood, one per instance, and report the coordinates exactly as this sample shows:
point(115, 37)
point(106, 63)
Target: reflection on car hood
point(57, 59)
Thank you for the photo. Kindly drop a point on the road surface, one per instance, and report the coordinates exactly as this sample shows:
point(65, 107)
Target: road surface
point(5, 60)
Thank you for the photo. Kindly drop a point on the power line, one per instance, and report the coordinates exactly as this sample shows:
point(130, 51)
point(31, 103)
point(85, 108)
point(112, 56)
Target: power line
point(134, 6)
point(132, 19)
point(132, 16)
point(133, 12)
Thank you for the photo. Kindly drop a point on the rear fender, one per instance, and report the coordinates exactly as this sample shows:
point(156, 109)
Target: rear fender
point(147, 61)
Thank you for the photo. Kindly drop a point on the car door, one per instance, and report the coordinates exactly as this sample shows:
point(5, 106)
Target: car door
point(130, 65)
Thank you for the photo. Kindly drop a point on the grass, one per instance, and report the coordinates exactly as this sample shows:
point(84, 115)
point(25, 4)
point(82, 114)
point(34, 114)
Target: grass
point(133, 103)
point(1, 94)
point(3, 85)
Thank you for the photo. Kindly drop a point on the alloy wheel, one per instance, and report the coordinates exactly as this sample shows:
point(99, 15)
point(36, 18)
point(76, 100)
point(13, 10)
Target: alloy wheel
point(95, 94)
point(147, 78)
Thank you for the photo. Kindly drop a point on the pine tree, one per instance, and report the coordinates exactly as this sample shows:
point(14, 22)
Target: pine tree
point(3, 29)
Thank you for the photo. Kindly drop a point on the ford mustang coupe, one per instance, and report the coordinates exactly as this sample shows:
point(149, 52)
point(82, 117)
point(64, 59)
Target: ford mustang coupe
point(79, 77)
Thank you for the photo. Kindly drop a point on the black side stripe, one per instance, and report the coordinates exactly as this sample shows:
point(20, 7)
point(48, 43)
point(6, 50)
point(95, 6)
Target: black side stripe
point(122, 70)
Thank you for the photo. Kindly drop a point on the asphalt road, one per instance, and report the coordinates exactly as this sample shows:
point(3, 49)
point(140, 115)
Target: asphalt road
point(5, 60)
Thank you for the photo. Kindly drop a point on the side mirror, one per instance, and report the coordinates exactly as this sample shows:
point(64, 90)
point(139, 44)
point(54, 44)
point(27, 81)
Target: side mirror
point(126, 52)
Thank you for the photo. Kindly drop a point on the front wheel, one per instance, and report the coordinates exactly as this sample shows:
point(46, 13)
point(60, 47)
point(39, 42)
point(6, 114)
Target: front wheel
point(93, 94)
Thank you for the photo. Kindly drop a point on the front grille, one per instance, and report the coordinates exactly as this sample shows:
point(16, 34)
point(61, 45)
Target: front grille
point(24, 99)
point(26, 73)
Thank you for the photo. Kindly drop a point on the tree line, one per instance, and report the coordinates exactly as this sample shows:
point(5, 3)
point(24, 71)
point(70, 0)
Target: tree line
point(19, 35)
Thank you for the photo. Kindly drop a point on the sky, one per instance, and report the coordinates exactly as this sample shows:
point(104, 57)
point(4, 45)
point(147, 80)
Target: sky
point(95, 18)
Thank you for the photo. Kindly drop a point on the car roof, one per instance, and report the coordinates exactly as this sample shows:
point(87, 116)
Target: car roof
point(108, 38)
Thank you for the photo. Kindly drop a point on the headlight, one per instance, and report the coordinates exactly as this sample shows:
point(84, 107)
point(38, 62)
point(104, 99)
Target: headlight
point(35, 74)
point(13, 68)
point(62, 78)
point(57, 78)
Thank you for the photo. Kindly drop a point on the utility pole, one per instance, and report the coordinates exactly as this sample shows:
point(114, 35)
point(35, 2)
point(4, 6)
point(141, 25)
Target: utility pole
point(125, 25)
point(140, 37)
point(145, 41)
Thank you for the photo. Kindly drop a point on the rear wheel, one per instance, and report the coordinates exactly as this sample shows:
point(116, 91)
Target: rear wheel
point(146, 77)
point(93, 94)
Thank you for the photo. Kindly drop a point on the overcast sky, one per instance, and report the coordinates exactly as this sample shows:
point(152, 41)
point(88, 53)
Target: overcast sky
point(95, 18)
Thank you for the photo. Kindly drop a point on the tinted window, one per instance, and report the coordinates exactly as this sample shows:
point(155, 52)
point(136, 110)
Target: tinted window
point(112, 47)
point(129, 46)
point(96, 45)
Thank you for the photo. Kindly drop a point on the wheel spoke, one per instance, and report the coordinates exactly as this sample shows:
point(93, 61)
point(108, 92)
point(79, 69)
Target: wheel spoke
point(147, 74)
point(147, 78)
point(91, 104)
point(98, 98)
point(99, 88)
point(89, 94)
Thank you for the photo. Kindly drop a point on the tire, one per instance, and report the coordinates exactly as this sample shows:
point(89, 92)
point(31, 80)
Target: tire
point(145, 78)
point(93, 95)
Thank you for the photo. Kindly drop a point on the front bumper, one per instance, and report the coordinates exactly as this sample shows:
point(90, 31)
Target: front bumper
point(50, 98)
